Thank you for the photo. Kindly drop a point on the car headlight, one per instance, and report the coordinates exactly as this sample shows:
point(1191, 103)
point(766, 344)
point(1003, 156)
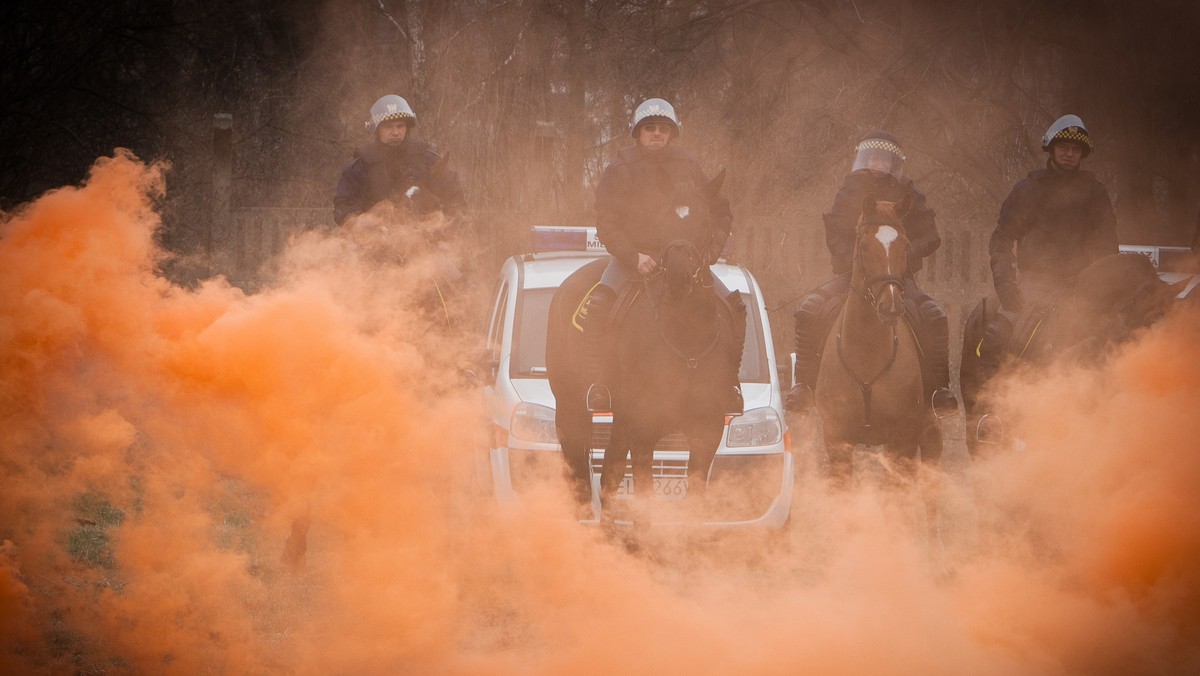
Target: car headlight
point(533, 422)
point(756, 427)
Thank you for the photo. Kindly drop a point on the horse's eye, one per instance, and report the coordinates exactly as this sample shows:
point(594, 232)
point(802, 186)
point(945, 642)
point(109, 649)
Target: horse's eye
point(682, 212)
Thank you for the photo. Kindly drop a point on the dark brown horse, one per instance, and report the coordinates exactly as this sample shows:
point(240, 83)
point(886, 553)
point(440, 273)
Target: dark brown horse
point(672, 343)
point(672, 353)
point(1108, 301)
point(869, 389)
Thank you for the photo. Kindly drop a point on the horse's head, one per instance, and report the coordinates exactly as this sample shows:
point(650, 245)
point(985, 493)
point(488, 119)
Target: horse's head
point(686, 212)
point(881, 257)
point(682, 268)
point(417, 198)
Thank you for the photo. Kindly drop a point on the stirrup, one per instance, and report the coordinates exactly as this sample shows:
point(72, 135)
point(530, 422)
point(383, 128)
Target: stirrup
point(989, 429)
point(944, 402)
point(599, 399)
point(737, 405)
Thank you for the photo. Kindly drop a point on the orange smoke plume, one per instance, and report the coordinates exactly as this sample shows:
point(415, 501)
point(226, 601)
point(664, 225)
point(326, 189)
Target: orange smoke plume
point(160, 444)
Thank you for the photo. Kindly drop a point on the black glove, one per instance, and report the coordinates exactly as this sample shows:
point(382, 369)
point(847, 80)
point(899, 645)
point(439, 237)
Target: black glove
point(1011, 298)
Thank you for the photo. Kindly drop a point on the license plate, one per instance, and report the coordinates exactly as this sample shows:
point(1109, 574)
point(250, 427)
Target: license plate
point(668, 488)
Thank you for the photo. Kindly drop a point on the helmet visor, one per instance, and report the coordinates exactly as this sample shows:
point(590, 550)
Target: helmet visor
point(656, 120)
point(873, 155)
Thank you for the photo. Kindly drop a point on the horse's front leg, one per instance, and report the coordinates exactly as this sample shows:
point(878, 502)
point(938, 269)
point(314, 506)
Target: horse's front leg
point(612, 470)
point(703, 440)
point(841, 461)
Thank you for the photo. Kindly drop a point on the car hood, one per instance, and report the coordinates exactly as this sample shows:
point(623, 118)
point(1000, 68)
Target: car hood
point(537, 391)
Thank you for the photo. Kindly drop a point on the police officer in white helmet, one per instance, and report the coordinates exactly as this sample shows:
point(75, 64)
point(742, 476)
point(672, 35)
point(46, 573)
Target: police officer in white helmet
point(627, 198)
point(1054, 223)
point(878, 172)
point(396, 166)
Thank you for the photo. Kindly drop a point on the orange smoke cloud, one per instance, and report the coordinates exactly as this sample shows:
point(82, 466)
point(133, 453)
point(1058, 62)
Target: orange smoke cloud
point(159, 442)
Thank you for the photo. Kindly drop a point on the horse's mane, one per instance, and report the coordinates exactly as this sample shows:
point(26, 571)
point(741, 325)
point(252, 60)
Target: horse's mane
point(890, 212)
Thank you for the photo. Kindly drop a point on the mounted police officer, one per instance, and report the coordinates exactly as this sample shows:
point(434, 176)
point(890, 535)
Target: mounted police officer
point(393, 163)
point(628, 199)
point(1054, 223)
point(878, 171)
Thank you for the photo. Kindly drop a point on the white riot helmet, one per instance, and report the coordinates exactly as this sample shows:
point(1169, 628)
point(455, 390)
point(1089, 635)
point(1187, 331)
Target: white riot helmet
point(654, 109)
point(1068, 128)
point(880, 151)
point(390, 107)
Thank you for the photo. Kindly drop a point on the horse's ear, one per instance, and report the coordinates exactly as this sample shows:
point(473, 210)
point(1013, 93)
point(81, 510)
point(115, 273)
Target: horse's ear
point(904, 204)
point(441, 167)
point(713, 188)
point(869, 209)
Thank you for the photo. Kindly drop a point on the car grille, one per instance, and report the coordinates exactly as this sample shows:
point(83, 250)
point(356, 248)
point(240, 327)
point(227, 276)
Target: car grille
point(663, 467)
point(672, 442)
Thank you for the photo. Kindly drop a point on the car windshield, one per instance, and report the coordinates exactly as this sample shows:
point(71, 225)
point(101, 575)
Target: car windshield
point(529, 340)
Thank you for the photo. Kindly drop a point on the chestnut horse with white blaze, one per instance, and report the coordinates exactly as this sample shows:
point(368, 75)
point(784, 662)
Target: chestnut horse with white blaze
point(869, 389)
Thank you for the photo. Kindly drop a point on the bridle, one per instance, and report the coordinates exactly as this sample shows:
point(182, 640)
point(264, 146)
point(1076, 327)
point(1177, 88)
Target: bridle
point(873, 286)
point(693, 276)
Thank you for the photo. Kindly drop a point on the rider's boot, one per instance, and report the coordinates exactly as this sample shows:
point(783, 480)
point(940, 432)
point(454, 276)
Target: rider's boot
point(734, 403)
point(808, 353)
point(937, 352)
point(593, 318)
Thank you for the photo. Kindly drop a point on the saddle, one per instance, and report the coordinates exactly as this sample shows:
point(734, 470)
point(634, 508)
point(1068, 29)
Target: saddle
point(1026, 329)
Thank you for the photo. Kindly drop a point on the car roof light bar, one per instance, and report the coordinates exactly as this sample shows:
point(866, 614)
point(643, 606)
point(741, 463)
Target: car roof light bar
point(565, 238)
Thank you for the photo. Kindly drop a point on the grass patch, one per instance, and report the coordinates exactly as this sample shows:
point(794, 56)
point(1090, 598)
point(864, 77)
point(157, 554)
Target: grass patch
point(89, 542)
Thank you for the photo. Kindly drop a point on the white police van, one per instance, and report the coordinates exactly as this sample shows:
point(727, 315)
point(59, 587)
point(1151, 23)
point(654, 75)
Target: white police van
point(751, 479)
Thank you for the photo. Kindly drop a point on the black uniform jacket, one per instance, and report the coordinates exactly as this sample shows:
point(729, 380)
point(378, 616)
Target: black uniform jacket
point(381, 172)
point(1060, 222)
point(636, 189)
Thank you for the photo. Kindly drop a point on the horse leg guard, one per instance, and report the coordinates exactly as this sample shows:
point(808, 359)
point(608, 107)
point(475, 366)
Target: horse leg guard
point(937, 356)
point(593, 318)
point(808, 338)
point(735, 404)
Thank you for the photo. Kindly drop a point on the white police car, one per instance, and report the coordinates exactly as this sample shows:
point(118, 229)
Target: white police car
point(751, 479)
